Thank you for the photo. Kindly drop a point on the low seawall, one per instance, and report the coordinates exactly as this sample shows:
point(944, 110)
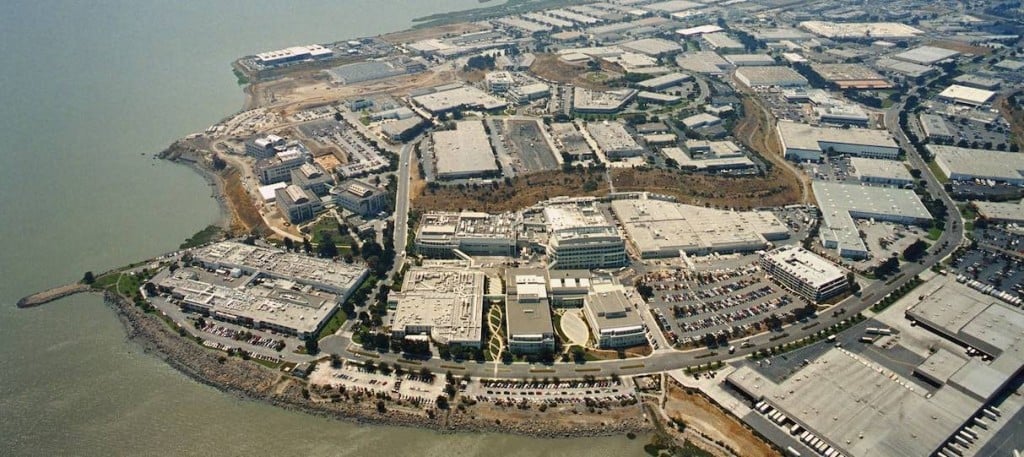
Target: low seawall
point(50, 295)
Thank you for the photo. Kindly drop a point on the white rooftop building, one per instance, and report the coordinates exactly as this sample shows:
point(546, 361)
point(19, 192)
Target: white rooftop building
point(802, 142)
point(443, 301)
point(464, 152)
point(842, 203)
point(805, 272)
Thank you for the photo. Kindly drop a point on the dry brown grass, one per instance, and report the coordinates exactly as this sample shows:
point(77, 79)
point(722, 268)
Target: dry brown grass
point(711, 421)
point(549, 66)
point(963, 48)
point(775, 189)
point(410, 35)
point(1014, 116)
point(245, 217)
point(524, 191)
point(756, 130)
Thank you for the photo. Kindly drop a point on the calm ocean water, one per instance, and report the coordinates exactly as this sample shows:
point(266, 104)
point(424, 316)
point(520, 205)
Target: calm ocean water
point(89, 91)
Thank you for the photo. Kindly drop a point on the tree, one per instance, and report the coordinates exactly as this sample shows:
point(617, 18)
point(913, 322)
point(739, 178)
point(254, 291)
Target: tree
point(887, 267)
point(914, 252)
point(442, 402)
point(327, 249)
point(88, 278)
point(307, 247)
point(218, 163)
point(380, 407)
point(289, 245)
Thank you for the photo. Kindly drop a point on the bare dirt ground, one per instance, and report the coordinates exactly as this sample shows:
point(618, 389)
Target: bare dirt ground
point(411, 35)
point(705, 417)
point(549, 67)
point(245, 217)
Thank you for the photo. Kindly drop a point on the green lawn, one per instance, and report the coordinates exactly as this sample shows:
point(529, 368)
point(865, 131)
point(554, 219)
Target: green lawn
point(934, 233)
point(939, 175)
point(337, 320)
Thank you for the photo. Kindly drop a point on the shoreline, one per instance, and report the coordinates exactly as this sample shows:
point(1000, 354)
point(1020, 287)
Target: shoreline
point(250, 381)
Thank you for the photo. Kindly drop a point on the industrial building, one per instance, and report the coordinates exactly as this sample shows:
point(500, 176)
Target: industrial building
point(908, 69)
point(655, 97)
point(614, 322)
point(842, 114)
point(1012, 213)
point(803, 142)
point(722, 42)
point(586, 101)
point(770, 76)
point(279, 167)
point(293, 54)
point(731, 162)
point(322, 274)
point(454, 97)
point(850, 76)
point(464, 152)
point(978, 82)
point(313, 178)
point(297, 204)
point(926, 55)
point(881, 171)
point(614, 140)
point(402, 129)
point(372, 70)
point(579, 236)
point(966, 95)
point(860, 30)
point(360, 197)
point(701, 120)
point(936, 128)
point(654, 47)
point(657, 228)
point(441, 234)
point(528, 327)
point(262, 304)
point(963, 164)
point(842, 203)
point(805, 273)
point(707, 62)
point(442, 300)
point(664, 81)
point(750, 60)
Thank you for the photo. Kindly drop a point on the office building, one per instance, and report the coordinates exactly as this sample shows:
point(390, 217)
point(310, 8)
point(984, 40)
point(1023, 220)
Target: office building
point(528, 326)
point(360, 197)
point(804, 273)
point(312, 177)
point(614, 321)
point(581, 237)
point(614, 140)
point(936, 128)
point(297, 204)
point(445, 234)
point(279, 167)
point(264, 147)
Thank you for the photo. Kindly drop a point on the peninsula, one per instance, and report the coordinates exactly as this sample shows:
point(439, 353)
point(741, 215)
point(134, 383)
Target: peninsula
point(735, 228)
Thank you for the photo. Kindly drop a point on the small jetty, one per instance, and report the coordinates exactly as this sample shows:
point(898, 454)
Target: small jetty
point(50, 295)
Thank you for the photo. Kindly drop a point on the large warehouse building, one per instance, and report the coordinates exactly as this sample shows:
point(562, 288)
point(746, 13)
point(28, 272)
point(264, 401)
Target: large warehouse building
point(842, 203)
point(658, 228)
point(770, 76)
point(443, 300)
point(464, 152)
point(805, 272)
point(963, 164)
point(803, 142)
point(966, 95)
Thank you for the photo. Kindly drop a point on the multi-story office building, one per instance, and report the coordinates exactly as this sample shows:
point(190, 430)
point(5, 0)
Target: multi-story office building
point(279, 167)
point(360, 198)
point(297, 204)
point(805, 272)
point(581, 237)
point(528, 312)
point(313, 178)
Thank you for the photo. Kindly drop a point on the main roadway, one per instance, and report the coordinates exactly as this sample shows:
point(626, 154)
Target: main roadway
point(665, 359)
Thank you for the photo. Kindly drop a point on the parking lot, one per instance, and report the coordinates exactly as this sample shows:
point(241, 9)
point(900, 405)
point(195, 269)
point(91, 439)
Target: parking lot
point(995, 266)
point(356, 378)
point(522, 144)
point(505, 392)
point(690, 304)
point(358, 155)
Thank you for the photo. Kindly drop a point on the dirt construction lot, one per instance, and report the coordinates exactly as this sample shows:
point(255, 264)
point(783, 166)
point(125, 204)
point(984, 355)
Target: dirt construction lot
point(708, 419)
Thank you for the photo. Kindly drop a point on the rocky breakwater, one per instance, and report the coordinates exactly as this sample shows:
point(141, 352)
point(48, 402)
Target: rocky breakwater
point(50, 295)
